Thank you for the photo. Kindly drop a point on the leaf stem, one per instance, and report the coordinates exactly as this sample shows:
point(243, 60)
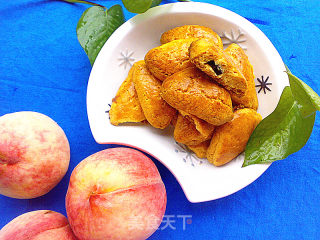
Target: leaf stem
point(85, 2)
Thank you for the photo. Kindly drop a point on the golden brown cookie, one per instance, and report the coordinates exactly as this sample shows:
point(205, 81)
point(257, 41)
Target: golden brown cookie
point(212, 60)
point(205, 128)
point(193, 92)
point(190, 31)
point(125, 106)
point(200, 149)
point(191, 130)
point(230, 139)
point(175, 119)
point(169, 58)
point(249, 99)
point(158, 113)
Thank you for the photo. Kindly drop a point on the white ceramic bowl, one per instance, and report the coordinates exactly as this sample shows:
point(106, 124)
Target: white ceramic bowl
point(199, 180)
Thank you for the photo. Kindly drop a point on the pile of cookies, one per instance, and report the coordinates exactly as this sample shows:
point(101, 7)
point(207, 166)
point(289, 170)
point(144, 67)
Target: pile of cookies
point(206, 92)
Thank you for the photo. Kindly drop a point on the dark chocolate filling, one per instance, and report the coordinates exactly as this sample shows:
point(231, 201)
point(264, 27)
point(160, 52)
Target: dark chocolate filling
point(215, 68)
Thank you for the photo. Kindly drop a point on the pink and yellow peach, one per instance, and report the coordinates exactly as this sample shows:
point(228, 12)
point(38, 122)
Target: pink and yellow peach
point(34, 154)
point(38, 225)
point(115, 194)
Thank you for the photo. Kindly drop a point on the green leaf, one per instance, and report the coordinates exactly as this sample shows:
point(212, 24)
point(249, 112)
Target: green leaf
point(96, 26)
point(282, 133)
point(308, 100)
point(137, 6)
point(155, 3)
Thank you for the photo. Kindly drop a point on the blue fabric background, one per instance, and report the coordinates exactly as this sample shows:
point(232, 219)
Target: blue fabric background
point(44, 69)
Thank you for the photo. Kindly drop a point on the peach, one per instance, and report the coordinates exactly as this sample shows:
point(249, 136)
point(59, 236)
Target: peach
point(38, 225)
point(115, 194)
point(34, 154)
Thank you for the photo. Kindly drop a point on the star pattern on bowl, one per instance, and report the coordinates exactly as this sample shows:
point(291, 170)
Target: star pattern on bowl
point(187, 155)
point(108, 110)
point(126, 58)
point(263, 84)
point(234, 37)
